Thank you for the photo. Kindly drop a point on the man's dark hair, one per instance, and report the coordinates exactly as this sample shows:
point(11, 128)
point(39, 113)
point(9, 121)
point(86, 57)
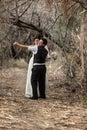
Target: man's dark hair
point(44, 41)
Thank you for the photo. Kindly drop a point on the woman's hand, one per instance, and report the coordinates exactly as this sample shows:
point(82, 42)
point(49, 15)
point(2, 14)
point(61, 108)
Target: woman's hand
point(20, 45)
point(15, 43)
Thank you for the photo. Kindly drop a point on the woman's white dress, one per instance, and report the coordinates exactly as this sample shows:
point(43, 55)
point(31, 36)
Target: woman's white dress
point(28, 89)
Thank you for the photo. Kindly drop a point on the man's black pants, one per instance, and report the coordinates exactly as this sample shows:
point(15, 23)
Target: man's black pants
point(38, 77)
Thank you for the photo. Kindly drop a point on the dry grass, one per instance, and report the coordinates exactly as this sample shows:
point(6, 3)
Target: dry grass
point(20, 63)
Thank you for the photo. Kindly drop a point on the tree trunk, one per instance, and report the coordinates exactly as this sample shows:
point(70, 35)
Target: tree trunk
point(83, 44)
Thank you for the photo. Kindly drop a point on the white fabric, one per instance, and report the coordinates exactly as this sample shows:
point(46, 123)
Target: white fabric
point(39, 64)
point(28, 89)
point(33, 48)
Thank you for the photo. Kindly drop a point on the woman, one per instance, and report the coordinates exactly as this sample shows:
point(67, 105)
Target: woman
point(28, 89)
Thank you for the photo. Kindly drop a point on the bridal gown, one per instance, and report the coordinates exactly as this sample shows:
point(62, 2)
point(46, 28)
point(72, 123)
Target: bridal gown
point(28, 89)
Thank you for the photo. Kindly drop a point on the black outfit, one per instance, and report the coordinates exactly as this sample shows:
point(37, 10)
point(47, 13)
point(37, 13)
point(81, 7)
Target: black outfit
point(38, 72)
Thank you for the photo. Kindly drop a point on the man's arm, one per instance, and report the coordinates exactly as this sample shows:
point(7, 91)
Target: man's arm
point(20, 45)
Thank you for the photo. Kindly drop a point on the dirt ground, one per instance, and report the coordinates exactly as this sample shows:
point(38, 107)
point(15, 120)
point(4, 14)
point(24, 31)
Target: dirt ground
point(58, 112)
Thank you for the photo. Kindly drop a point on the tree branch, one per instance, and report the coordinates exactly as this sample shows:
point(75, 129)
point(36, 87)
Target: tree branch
point(43, 32)
point(82, 3)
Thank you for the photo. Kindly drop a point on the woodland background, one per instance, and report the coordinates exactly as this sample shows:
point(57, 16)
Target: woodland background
point(64, 24)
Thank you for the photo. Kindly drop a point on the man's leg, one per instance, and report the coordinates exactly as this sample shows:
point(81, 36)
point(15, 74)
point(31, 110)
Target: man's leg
point(34, 78)
point(42, 82)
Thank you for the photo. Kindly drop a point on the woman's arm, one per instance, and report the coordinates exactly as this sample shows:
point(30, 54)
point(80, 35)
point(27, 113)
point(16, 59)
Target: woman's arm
point(20, 45)
point(48, 55)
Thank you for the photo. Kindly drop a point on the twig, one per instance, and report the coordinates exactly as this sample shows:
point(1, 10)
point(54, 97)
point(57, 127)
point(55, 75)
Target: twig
point(25, 10)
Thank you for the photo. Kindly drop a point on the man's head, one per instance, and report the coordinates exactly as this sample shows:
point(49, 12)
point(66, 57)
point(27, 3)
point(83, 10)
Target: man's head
point(42, 42)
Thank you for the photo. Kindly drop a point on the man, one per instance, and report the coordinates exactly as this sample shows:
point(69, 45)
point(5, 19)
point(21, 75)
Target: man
point(39, 68)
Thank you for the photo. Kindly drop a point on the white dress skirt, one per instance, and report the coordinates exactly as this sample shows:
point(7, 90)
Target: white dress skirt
point(28, 89)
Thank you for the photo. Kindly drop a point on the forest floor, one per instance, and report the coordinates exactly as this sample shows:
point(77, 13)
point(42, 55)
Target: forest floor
point(59, 112)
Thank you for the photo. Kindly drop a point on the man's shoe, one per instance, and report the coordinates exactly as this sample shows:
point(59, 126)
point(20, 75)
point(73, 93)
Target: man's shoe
point(46, 97)
point(33, 98)
point(42, 97)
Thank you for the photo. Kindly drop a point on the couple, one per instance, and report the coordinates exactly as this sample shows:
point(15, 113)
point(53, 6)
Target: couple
point(40, 54)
